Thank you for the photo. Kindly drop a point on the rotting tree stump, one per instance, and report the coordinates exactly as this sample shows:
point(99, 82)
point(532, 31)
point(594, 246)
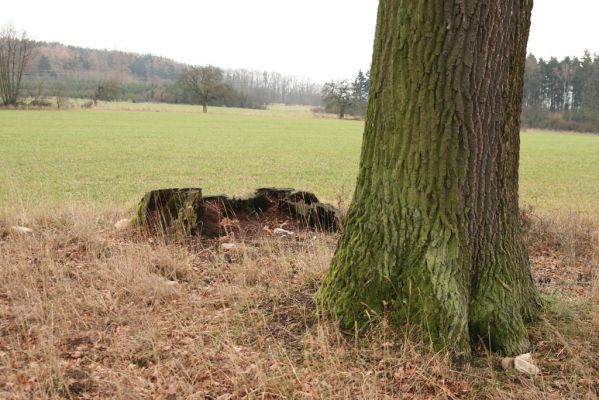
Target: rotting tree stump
point(188, 211)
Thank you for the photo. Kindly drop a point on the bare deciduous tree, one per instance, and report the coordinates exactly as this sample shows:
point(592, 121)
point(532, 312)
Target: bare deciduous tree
point(338, 96)
point(205, 82)
point(15, 53)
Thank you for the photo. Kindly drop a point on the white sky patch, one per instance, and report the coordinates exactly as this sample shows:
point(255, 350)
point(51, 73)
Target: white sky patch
point(564, 28)
point(319, 39)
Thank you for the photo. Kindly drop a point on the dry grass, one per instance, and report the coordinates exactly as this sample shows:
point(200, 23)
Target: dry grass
point(88, 312)
point(564, 250)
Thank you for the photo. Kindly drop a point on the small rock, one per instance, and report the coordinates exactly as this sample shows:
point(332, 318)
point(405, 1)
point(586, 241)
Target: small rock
point(228, 246)
point(282, 232)
point(524, 364)
point(21, 229)
point(123, 224)
point(507, 363)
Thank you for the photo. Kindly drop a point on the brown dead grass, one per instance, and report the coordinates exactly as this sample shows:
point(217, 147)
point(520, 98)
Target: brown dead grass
point(89, 312)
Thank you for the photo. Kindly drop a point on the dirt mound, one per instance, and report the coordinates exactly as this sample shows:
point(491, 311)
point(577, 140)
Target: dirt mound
point(188, 211)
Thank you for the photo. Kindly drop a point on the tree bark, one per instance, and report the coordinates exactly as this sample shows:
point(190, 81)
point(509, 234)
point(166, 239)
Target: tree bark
point(433, 233)
point(205, 107)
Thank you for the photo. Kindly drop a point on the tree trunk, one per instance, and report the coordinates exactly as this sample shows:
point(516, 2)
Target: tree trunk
point(205, 107)
point(433, 233)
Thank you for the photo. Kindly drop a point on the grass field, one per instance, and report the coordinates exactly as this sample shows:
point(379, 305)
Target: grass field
point(113, 154)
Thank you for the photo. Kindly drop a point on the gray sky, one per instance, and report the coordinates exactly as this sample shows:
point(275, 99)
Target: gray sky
point(319, 39)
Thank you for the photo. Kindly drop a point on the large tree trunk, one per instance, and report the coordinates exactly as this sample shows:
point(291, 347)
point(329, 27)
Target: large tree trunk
point(433, 233)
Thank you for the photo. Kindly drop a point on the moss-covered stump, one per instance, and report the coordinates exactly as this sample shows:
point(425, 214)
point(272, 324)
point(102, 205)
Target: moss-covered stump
point(188, 211)
point(169, 210)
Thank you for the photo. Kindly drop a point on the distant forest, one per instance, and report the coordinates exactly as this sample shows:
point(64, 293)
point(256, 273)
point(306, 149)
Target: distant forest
point(59, 70)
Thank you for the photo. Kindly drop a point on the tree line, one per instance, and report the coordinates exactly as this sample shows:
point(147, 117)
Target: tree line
point(210, 85)
point(562, 94)
point(558, 94)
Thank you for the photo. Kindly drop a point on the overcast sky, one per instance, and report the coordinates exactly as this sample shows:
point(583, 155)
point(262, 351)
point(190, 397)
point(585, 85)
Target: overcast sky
point(319, 39)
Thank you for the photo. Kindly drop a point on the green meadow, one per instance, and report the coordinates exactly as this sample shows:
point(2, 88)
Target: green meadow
point(112, 154)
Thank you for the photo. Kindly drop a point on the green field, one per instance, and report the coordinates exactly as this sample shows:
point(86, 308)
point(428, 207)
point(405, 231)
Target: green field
point(111, 155)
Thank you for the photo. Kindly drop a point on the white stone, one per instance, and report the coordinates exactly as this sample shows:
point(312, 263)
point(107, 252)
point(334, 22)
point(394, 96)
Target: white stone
point(524, 364)
point(228, 246)
point(21, 229)
point(282, 232)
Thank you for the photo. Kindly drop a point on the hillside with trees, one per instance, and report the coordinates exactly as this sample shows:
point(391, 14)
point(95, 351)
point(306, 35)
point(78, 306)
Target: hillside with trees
point(58, 61)
point(59, 70)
